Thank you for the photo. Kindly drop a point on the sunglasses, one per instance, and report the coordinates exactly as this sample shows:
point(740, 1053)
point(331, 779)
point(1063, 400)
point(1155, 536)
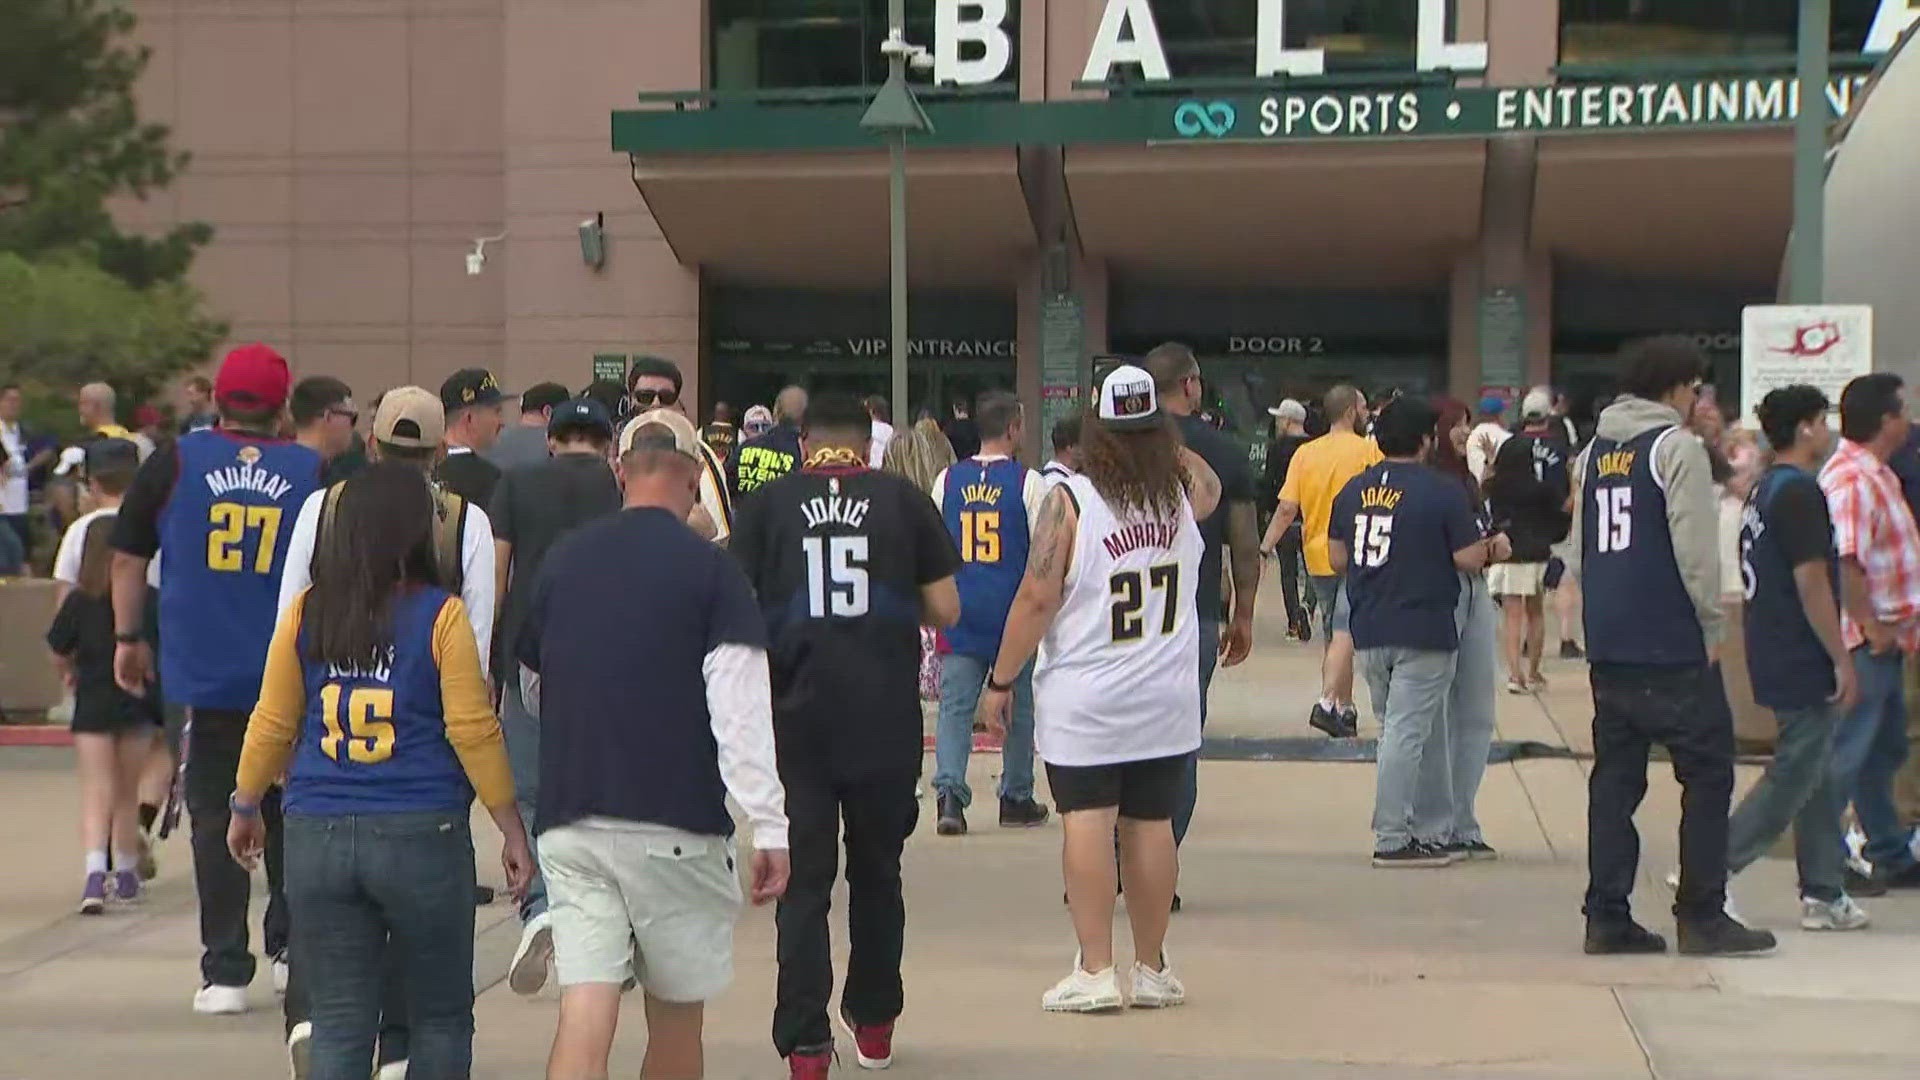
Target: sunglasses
point(649, 398)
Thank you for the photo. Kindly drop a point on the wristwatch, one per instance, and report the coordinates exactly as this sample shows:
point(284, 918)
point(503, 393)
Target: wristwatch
point(997, 687)
point(125, 638)
point(242, 809)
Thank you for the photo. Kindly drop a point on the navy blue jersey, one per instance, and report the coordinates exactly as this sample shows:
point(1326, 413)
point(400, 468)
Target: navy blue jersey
point(1637, 607)
point(224, 534)
point(987, 518)
point(1785, 524)
point(1401, 524)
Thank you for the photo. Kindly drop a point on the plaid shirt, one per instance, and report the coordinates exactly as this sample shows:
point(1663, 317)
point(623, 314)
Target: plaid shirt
point(1873, 526)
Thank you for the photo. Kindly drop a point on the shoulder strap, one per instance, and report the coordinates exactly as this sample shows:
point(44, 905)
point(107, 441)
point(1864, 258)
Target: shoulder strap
point(327, 506)
point(449, 531)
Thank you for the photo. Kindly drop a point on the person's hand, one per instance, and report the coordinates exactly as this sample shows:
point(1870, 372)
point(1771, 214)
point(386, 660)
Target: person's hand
point(770, 868)
point(1880, 637)
point(1846, 686)
point(1499, 547)
point(133, 666)
point(991, 713)
point(246, 838)
point(516, 859)
point(1266, 550)
point(1236, 641)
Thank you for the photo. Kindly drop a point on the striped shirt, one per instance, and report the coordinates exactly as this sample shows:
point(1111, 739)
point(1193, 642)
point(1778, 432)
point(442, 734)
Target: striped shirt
point(1873, 526)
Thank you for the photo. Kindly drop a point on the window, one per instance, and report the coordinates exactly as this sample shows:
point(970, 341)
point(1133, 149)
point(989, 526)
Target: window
point(795, 44)
point(1605, 31)
point(1215, 38)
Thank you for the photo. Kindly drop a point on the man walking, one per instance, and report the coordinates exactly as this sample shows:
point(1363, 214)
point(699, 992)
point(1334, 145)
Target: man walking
point(472, 400)
point(533, 508)
point(217, 500)
point(323, 415)
point(848, 563)
point(652, 675)
point(1403, 534)
point(1233, 523)
point(1649, 553)
point(525, 443)
point(1879, 549)
point(1320, 469)
point(989, 502)
point(1796, 659)
point(772, 455)
point(1065, 462)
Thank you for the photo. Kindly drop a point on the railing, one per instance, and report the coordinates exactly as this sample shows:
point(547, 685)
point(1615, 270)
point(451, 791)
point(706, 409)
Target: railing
point(1683, 67)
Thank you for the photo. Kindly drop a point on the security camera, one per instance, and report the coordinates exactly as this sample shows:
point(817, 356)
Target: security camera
point(916, 56)
point(476, 262)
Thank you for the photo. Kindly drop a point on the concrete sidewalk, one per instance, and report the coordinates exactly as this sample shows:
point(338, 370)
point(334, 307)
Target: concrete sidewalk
point(1301, 961)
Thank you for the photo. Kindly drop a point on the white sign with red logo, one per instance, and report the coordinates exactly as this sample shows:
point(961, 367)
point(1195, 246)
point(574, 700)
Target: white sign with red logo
point(1823, 345)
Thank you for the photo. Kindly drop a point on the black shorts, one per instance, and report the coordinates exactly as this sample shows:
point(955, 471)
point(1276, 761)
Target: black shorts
point(1143, 790)
point(111, 711)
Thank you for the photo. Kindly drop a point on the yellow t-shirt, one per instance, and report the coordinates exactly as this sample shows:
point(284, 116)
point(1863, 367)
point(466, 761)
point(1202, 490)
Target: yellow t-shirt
point(1319, 470)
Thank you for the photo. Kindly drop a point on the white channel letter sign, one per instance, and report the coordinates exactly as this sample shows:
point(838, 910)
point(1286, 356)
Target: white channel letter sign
point(1128, 36)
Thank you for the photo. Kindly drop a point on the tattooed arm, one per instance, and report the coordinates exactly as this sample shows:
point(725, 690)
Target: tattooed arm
point(1041, 592)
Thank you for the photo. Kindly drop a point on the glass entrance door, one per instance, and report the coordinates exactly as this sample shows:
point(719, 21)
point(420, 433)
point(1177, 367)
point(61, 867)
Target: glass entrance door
point(932, 385)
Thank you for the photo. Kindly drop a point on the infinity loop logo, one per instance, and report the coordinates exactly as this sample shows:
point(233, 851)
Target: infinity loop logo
point(1215, 118)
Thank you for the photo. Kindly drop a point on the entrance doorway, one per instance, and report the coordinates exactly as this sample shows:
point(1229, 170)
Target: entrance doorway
point(932, 385)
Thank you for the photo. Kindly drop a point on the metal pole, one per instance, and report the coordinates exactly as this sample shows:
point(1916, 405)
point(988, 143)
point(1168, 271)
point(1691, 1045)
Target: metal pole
point(1806, 267)
point(897, 224)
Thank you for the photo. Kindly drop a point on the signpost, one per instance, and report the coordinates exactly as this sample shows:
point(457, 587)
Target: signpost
point(1503, 337)
point(1822, 345)
point(1064, 377)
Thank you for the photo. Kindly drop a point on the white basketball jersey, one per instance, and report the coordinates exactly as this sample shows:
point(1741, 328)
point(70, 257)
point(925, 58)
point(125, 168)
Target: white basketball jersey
point(1118, 678)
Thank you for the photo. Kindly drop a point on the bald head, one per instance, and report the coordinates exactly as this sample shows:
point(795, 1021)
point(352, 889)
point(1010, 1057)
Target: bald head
point(791, 405)
point(97, 403)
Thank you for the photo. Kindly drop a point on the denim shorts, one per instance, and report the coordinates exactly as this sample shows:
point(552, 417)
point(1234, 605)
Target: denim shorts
point(1330, 603)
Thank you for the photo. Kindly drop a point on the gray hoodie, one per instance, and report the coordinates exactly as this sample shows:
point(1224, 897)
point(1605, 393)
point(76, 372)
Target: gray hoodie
point(1693, 515)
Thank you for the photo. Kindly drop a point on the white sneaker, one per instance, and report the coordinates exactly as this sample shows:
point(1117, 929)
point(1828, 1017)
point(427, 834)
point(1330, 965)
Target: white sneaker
point(280, 973)
point(300, 1049)
point(1084, 991)
point(392, 1070)
point(1157, 989)
point(1841, 914)
point(212, 1000)
point(531, 961)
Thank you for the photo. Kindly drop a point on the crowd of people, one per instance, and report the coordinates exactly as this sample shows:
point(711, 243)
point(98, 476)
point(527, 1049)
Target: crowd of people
point(603, 622)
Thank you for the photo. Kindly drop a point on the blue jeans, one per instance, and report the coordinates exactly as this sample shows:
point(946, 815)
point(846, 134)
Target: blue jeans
point(522, 731)
point(1456, 756)
point(1868, 748)
point(1209, 658)
point(1410, 689)
point(961, 678)
point(1796, 791)
point(360, 885)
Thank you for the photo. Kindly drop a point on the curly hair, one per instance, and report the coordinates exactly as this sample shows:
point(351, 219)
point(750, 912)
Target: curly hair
point(1136, 471)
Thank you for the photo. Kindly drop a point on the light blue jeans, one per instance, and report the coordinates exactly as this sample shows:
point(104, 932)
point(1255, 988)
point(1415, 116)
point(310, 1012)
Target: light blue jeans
point(1410, 689)
point(1796, 791)
point(1456, 757)
point(961, 678)
point(522, 732)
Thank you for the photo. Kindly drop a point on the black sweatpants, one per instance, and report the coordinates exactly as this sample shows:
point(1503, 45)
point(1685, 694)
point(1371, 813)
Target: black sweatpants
point(879, 813)
point(213, 742)
point(1683, 708)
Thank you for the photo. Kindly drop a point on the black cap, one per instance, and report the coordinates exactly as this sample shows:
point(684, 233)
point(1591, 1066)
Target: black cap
point(110, 455)
point(581, 412)
point(469, 387)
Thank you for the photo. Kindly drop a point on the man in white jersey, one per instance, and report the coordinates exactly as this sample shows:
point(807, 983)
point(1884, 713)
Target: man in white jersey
point(1110, 583)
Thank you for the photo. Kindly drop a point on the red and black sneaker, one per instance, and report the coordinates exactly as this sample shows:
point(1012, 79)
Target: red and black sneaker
point(872, 1043)
point(810, 1064)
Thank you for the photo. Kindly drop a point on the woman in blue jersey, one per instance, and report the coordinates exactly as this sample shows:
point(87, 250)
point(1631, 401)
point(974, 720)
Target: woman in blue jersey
point(374, 708)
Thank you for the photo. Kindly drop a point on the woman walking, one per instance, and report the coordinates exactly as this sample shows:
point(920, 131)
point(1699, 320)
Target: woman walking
point(374, 708)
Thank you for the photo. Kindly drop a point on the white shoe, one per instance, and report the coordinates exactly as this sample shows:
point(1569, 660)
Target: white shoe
point(212, 1000)
point(531, 961)
point(280, 973)
point(1841, 914)
point(392, 1070)
point(1084, 991)
point(300, 1049)
point(1157, 989)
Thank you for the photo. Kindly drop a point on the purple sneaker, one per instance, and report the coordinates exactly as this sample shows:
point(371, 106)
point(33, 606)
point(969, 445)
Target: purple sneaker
point(93, 898)
point(126, 886)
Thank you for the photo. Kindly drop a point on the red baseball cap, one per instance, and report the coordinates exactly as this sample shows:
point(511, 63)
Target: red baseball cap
point(253, 376)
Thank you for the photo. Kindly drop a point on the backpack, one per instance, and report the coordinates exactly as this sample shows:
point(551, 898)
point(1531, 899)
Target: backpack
point(449, 527)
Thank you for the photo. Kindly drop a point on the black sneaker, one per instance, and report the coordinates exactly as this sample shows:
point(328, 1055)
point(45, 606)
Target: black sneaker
point(483, 895)
point(1304, 630)
point(1018, 814)
point(1859, 884)
point(1411, 854)
point(1721, 934)
point(1907, 877)
point(1349, 721)
point(1326, 720)
point(1571, 650)
point(953, 817)
point(1622, 938)
point(1478, 850)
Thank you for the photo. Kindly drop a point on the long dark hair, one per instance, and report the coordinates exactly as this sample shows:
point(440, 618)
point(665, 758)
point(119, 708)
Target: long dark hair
point(96, 559)
point(1138, 471)
point(1445, 457)
point(380, 542)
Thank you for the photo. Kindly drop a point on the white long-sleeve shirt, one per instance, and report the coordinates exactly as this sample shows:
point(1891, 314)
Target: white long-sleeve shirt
point(476, 567)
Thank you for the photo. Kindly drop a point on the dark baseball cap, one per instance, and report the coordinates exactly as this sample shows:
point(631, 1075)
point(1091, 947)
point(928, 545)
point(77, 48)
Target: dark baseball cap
point(580, 412)
point(469, 387)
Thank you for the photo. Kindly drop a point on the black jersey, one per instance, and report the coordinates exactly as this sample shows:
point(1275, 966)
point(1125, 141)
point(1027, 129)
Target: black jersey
point(838, 556)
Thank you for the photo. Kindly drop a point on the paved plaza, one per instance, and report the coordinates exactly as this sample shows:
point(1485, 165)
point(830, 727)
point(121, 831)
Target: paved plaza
point(1301, 961)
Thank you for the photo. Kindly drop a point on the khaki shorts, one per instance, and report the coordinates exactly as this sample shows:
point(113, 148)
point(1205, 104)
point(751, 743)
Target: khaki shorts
point(643, 901)
point(1517, 579)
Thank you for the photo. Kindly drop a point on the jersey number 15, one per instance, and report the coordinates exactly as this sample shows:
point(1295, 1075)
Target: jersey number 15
point(836, 576)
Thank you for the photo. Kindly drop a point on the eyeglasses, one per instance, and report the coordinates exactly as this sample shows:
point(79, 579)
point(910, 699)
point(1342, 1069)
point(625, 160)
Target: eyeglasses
point(647, 399)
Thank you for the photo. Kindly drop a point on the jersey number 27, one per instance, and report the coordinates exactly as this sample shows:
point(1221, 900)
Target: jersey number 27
point(228, 525)
point(1129, 597)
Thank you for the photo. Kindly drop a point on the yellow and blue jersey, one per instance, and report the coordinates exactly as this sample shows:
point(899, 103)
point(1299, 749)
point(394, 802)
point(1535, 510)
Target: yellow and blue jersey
point(985, 514)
